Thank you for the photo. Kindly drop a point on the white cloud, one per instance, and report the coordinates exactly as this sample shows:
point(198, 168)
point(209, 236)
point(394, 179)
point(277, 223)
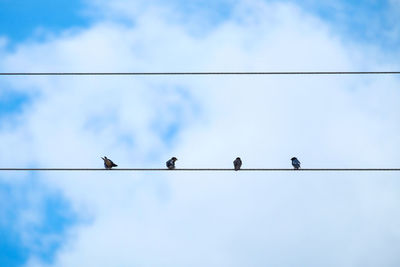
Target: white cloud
point(214, 219)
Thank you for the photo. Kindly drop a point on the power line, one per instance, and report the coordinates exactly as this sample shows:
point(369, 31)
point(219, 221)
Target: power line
point(199, 73)
point(212, 169)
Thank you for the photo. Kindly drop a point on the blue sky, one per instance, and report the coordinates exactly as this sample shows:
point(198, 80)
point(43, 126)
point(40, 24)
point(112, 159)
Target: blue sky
point(368, 20)
point(16, 247)
point(20, 20)
point(59, 219)
point(11, 102)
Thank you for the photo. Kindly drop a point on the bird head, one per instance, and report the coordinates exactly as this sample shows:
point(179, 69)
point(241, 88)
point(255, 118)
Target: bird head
point(237, 158)
point(174, 159)
point(294, 158)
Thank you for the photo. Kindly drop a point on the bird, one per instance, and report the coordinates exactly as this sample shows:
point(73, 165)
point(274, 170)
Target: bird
point(108, 163)
point(237, 163)
point(295, 163)
point(171, 163)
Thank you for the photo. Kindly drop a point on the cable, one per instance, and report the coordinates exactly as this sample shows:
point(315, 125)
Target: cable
point(197, 73)
point(210, 169)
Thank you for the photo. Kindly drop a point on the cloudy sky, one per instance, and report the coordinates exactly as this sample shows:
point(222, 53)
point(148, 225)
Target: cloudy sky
point(199, 219)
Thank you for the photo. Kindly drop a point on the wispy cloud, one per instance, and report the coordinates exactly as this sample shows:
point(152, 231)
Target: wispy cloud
point(232, 219)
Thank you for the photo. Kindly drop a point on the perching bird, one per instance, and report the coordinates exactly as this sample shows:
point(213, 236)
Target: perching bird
point(237, 163)
point(108, 164)
point(171, 163)
point(295, 163)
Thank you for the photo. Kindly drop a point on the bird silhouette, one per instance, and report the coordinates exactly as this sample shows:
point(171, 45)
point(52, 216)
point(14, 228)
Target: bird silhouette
point(108, 163)
point(237, 163)
point(295, 163)
point(171, 163)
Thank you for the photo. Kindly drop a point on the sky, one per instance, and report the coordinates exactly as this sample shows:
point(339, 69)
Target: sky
point(199, 219)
